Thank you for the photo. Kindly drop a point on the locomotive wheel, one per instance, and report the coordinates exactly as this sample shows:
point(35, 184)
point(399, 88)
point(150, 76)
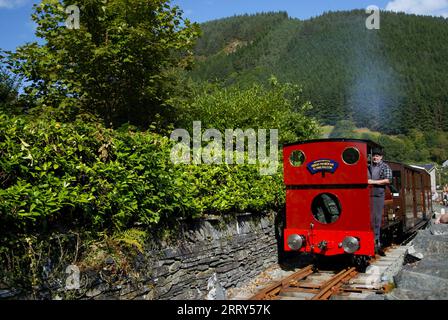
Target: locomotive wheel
point(399, 234)
point(360, 262)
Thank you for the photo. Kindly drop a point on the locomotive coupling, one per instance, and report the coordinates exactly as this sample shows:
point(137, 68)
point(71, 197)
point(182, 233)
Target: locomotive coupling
point(322, 245)
point(295, 241)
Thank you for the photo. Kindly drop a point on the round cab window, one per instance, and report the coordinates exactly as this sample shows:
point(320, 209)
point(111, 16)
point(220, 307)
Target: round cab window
point(326, 208)
point(350, 155)
point(297, 158)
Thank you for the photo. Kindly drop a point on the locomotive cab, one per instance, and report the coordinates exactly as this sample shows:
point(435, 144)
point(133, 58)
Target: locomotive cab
point(328, 197)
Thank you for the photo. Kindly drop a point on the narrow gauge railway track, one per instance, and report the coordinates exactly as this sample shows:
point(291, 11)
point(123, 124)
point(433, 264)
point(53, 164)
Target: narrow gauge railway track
point(310, 283)
point(307, 283)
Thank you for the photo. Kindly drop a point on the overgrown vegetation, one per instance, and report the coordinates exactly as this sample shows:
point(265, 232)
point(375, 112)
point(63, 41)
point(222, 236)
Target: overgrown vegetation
point(82, 175)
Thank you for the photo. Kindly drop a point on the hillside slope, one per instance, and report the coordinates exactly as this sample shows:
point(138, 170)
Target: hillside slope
point(393, 79)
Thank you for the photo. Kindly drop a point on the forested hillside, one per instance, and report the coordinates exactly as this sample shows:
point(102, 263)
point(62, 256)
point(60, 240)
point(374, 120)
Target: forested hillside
point(392, 79)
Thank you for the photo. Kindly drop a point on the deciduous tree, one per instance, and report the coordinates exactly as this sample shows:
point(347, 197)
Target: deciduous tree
point(118, 64)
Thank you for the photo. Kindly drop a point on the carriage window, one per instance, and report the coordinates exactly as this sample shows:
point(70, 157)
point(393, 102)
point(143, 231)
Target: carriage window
point(297, 158)
point(396, 180)
point(350, 155)
point(326, 208)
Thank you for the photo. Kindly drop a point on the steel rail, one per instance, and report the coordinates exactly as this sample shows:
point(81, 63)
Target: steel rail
point(332, 285)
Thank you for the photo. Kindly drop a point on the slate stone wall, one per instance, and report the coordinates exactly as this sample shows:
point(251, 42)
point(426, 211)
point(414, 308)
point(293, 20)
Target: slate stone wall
point(209, 257)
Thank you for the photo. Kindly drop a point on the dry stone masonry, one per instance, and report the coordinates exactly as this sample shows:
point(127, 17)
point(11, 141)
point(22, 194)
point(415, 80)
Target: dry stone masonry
point(210, 256)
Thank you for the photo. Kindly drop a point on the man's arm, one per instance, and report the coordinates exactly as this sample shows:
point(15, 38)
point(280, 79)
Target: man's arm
point(386, 173)
point(379, 182)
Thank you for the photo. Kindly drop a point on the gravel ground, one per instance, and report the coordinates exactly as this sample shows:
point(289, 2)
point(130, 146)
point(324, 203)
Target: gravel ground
point(272, 274)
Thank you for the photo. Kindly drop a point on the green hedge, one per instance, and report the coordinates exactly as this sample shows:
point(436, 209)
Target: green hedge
point(81, 175)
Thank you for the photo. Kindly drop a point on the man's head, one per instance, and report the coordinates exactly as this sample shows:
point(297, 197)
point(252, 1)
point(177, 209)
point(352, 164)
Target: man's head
point(377, 155)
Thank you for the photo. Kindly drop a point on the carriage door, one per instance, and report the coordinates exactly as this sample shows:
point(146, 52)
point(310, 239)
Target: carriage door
point(418, 195)
point(409, 200)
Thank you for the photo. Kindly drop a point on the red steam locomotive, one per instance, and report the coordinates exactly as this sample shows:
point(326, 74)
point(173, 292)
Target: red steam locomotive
point(328, 198)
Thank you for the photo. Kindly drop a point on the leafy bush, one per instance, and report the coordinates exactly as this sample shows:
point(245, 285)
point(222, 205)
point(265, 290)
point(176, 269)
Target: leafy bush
point(81, 175)
point(276, 107)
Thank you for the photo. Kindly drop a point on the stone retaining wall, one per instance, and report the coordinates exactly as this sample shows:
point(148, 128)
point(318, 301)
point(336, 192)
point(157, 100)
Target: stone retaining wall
point(210, 256)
